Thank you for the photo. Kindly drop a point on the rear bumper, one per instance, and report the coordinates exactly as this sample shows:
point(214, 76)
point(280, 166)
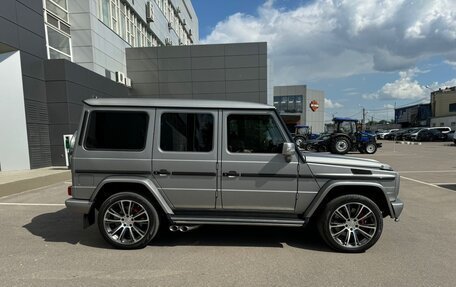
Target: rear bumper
point(398, 206)
point(78, 205)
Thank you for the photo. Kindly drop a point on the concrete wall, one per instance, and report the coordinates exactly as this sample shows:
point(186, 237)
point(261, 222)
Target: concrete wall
point(449, 121)
point(67, 85)
point(441, 101)
point(98, 48)
point(315, 119)
point(14, 153)
point(95, 46)
point(22, 28)
point(224, 72)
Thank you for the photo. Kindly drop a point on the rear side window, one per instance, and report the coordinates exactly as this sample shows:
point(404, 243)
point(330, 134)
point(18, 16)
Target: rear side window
point(187, 132)
point(115, 130)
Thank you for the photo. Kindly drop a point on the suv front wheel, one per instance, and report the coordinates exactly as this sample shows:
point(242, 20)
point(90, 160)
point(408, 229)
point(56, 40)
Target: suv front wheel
point(128, 221)
point(351, 223)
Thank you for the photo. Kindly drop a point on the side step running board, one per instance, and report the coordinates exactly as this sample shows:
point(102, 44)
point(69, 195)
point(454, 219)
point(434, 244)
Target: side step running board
point(237, 221)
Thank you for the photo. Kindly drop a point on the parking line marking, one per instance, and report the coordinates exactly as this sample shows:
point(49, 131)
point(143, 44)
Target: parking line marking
point(31, 204)
point(426, 183)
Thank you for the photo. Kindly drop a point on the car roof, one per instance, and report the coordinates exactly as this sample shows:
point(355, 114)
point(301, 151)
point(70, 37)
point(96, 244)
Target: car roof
point(174, 103)
point(345, 119)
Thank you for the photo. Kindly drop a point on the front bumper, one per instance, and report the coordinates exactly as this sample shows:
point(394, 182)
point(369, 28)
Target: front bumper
point(397, 206)
point(78, 205)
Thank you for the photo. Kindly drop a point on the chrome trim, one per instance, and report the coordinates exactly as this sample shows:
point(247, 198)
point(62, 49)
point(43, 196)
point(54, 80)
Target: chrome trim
point(238, 221)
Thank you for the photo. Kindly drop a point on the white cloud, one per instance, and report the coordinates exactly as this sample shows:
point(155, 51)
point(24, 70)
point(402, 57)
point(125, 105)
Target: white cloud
point(407, 87)
point(329, 104)
point(335, 38)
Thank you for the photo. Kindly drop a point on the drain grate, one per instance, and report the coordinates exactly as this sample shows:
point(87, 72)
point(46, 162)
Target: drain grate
point(449, 186)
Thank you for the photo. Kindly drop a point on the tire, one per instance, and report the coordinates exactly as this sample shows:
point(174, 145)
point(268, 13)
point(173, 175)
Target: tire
point(340, 145)
point(370, 148)
point(299, 141)
point(343, 231)
point(127, 220)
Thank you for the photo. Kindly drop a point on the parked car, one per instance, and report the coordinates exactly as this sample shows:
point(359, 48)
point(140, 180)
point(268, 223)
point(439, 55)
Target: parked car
point(140, 164)
point(382, 134)
point(454, 138)
point(444, 130)
point(403, 134)
point(427, 135)
point(392, 135)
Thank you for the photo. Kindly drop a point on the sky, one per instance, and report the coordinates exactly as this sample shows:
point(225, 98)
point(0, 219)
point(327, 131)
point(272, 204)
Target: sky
point(361, 53)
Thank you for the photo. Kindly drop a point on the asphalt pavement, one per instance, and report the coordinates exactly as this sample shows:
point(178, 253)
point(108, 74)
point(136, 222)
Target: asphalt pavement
point(42, 244)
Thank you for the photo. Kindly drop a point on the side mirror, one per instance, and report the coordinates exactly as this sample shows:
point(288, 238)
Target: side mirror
point(288, 150)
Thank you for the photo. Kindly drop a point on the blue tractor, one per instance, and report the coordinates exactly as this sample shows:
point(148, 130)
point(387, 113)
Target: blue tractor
point(302, 134)
point(347, 136)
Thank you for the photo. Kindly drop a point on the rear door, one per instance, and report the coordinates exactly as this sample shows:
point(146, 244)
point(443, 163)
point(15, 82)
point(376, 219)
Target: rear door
point(255, 175)
point(185, 157)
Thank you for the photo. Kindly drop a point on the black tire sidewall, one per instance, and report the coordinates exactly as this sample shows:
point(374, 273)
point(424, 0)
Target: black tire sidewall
point(323, 222)
point(334, 144)
point(150, 209)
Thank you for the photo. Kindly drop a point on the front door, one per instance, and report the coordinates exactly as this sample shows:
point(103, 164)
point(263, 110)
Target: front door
point(185, 157)
point(255, 175)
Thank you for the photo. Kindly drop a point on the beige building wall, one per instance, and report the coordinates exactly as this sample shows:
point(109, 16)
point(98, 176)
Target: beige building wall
point(441, 101)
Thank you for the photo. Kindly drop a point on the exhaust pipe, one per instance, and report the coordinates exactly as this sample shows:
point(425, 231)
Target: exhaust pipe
point(185, 228)
point(173, 228)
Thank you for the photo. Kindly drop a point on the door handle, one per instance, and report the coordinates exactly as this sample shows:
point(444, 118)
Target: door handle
point(231, 174)
point(162, 172)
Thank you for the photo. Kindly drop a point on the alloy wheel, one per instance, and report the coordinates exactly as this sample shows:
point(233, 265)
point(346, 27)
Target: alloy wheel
point(126, 222)
point(352, 225)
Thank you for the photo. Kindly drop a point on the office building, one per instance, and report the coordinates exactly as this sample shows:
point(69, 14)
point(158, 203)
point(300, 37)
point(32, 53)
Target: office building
point(299, 105)
point(443, 103)
point(413, 116)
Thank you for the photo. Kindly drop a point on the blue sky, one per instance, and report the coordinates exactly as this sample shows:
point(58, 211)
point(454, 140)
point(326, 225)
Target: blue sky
point(360, 53)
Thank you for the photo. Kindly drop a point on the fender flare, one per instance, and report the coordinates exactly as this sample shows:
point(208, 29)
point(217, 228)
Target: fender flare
point(326, 188)
point(147, 183)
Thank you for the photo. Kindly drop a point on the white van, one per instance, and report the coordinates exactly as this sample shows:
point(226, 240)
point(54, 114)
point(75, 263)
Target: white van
point(444, 130)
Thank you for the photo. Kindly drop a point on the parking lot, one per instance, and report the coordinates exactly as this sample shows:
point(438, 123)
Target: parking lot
point(44, 245)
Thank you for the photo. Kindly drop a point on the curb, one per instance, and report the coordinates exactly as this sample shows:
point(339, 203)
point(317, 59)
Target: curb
point(409, 143)
point(32, 183)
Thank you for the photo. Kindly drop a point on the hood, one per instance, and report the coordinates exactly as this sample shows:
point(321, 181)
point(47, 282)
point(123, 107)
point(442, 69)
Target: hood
point(330, 159)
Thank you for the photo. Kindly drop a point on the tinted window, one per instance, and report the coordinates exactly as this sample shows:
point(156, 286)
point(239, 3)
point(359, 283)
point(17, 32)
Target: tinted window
point(254, 134)
point(186, 132)
point(114, 130)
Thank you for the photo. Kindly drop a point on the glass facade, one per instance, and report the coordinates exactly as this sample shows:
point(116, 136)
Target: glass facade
point(288, 104)
point(121, 19)
point(58, 38)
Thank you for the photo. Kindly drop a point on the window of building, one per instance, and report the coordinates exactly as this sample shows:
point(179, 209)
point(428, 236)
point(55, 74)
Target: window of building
point(114, 130)
point(187, 132)
point(114, 16)
point(58, 39)
point(452, 108)
point(253, 134)
point(59, 45)
point(58, 8)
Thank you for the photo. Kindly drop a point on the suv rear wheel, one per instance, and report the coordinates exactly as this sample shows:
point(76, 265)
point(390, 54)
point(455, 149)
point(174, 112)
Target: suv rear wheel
point(128, 220)
point(351, 223)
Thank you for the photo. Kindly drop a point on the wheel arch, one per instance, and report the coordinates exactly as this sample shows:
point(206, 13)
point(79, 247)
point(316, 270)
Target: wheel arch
point(142, 186)
point(333, 189)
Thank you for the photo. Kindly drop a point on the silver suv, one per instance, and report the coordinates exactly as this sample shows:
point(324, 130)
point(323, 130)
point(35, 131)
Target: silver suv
point(142, 164)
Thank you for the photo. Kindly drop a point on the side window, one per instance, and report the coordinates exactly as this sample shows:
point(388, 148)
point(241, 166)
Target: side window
point(189, 132)
point(253, 134)
point(116, 130)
